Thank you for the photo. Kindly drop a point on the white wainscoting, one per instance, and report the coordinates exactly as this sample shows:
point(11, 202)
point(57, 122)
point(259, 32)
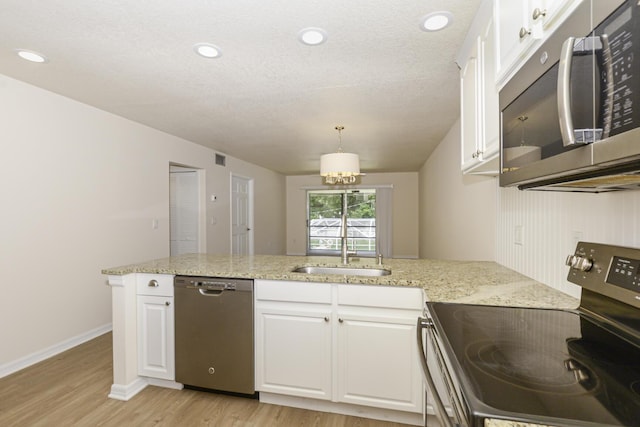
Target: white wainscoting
point(551, 223)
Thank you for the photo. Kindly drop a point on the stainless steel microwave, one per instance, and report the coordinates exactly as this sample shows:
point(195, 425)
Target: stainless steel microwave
point(570, 117)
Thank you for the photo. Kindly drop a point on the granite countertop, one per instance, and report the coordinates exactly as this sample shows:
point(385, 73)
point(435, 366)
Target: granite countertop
point(474, 282)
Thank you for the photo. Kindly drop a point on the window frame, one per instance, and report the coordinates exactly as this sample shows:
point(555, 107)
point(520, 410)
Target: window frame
point(350, 239)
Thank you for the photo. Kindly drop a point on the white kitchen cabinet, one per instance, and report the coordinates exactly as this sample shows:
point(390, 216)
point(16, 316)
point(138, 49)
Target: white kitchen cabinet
point(155, 323)
point(377, 362)
point(293, 352)
point(521, 26)
point(293, 338)
point(469, 104)
point(343, 343)
point(479, 115)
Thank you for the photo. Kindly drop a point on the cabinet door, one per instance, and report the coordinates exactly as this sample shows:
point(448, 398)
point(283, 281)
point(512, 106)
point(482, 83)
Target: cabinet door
point(378, 362)
point(490, 114)
point(554, 11)
point(469, 111)
point(512, 18)
point(293, 352)
point(156, 337)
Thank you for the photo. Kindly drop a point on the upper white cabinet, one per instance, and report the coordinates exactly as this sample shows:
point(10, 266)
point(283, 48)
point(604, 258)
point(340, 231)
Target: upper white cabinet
point(479, 97)
point(469, 103)
point(521, 26)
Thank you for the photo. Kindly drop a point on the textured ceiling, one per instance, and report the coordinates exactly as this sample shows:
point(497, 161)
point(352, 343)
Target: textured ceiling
point(268, 99)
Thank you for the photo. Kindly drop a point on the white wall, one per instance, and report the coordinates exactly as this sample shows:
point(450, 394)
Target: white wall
point(465, 217)
point(404, 210)
point(457, 212)
point(80, 188)
point(552, 223)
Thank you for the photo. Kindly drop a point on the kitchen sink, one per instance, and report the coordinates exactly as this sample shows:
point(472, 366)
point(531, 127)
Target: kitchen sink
point(346, 271)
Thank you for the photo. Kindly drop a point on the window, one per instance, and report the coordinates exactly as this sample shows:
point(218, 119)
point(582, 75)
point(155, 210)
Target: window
point(324, 221)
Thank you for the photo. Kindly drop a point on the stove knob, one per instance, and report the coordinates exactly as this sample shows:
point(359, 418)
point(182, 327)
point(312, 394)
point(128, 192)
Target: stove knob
point(581, 263)
point(570, 260)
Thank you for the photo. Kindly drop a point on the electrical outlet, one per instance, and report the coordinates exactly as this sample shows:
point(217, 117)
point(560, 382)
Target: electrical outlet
point(518, 235)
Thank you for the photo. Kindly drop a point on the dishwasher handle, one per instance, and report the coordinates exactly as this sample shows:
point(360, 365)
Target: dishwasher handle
point(210, 292)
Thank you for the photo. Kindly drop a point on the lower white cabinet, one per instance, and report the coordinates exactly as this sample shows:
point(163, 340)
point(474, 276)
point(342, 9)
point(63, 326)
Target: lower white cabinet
point(351, 344)
point(377, 362)
point(294, 352)
point(156, 335)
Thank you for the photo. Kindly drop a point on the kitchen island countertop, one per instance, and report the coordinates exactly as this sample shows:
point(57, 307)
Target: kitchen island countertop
point(473, 282)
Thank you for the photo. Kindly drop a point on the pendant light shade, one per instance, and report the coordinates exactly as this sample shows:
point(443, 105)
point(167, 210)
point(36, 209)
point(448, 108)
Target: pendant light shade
point(340, 167)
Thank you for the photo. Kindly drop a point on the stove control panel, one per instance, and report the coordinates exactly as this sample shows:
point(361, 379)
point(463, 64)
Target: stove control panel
point(624, 273)
point(609, 270)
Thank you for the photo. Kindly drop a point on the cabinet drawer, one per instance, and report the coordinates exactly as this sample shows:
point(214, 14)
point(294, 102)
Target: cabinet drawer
point(154, 284)
point(267, 290)
point(381, 296)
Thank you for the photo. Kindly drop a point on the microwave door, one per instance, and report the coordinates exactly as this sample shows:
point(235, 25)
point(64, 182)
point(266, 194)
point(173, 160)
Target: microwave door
point(578, 109)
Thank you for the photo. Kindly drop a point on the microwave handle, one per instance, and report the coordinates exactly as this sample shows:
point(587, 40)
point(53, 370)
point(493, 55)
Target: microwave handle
point(564, 93)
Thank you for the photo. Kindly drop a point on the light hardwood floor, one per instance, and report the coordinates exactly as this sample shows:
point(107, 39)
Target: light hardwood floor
point(70, 389)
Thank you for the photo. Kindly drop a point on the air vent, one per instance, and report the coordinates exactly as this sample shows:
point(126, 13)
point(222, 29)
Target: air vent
point(221, 160)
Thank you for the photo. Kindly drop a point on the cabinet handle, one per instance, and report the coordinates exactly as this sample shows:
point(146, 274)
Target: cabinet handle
point(326, 318)
point(153, 283)
point(340, 320)
point(524, 32)
point(537, 13)
point(167, 303)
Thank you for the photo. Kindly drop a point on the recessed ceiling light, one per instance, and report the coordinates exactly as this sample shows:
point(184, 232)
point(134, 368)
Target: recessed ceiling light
point(207, 50)
point(32, 56)
point(312, 36)
point(436, 21)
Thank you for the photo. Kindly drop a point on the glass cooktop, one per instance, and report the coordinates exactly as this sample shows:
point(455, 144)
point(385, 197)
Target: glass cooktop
point(539, 364)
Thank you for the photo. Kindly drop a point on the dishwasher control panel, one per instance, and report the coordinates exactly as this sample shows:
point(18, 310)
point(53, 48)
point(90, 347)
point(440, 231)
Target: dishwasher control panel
point(213, 283)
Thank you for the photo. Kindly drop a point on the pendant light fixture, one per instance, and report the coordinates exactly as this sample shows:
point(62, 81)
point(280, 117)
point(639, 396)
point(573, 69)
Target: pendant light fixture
point(340, 167)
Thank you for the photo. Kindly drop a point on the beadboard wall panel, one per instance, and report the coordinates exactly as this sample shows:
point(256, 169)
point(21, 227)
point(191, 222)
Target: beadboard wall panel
point(551, 223)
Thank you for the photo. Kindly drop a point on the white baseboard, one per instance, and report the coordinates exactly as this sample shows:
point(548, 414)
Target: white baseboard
point(126, 392)
point(39, 356)
point(343, 408)
point(164, 383)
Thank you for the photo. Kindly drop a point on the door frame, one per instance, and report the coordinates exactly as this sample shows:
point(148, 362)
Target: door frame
point(250, 214)
point(201, 207)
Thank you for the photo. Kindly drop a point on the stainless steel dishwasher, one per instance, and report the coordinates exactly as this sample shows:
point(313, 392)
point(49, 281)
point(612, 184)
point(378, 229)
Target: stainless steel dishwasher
point(214, 333)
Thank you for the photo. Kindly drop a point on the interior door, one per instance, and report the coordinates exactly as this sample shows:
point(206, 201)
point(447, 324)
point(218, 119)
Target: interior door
point(184, 207)
point(241, 216)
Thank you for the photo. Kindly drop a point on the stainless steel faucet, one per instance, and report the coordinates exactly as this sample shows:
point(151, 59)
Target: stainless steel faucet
point(344, 249)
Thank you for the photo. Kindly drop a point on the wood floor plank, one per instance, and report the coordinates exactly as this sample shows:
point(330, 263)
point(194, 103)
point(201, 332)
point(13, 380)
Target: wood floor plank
point(70, 389)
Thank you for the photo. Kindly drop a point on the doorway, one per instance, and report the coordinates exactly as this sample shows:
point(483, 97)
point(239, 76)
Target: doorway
point(241, 215)
point(185, 210)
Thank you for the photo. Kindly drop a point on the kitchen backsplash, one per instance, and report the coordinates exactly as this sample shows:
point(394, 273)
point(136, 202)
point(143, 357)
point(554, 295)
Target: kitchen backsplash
point(536, 230)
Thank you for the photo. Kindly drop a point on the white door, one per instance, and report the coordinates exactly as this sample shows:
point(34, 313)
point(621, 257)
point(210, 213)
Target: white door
point(241, 216)
point(184, 208)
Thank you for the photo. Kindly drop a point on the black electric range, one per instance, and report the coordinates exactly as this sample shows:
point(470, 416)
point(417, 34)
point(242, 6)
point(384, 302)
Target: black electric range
point(553, 367)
